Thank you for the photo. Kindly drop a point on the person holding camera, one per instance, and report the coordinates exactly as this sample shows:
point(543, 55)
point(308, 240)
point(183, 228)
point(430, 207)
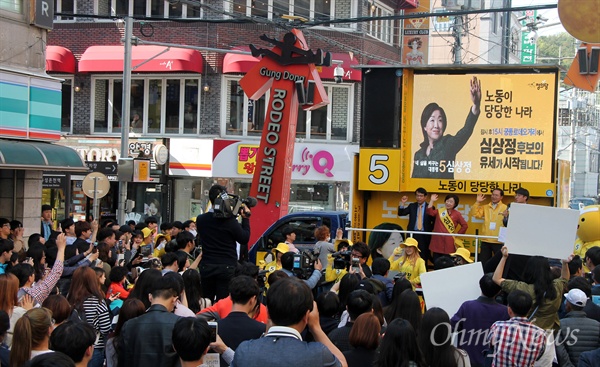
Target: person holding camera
point(287, 265)
point(219, 237)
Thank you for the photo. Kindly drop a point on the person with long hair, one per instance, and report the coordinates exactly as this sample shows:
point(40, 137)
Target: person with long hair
point(447, 220)
point(438, 148)
point(364, 339)
point(407, 307)
point(9, 303)
point(435, 341)
point(131, 308)
point(59, 306)
point(31, 337)
point(86, 297)
point(4, 351)
point(410, 263)
point(539, 283)
point(39, 291)
point(143, 286)
point(193, 291)
point(399, 347)
point(37, 253)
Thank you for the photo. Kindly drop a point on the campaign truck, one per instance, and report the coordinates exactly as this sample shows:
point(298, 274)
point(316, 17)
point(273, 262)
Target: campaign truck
point(493, 127)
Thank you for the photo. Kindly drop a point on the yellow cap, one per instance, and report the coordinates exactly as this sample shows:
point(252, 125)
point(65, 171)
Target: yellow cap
point(464, 253)
point(410, 242)
point(282, 247)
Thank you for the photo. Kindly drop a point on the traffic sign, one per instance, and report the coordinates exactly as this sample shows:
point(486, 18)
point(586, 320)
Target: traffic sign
point(96, 185)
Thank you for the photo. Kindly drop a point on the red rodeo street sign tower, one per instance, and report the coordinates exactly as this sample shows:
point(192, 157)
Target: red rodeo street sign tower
point(288, 71)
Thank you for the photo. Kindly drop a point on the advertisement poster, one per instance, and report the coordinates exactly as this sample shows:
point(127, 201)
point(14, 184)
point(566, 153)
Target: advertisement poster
point(415, 36)
point(490, 128)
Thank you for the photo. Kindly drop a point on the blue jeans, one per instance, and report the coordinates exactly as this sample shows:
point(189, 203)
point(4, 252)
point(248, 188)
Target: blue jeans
point(97, 358)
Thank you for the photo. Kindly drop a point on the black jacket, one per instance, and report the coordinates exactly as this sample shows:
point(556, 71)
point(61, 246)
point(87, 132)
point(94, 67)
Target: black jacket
point(577, 334)
point(411, 211)
point(146, 339)
point(218, 237)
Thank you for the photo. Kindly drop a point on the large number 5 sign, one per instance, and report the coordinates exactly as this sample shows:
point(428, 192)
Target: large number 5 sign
point(379, 170)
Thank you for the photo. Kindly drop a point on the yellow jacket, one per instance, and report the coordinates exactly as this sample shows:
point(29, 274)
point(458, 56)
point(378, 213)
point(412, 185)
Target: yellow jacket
point(492, 219)
point(413, 273)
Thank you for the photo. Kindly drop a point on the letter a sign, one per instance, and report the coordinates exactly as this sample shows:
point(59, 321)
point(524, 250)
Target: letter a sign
point(288, 71)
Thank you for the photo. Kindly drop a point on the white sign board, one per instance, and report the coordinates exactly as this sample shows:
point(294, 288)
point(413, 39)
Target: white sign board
point(541, 230)
point(449, 288)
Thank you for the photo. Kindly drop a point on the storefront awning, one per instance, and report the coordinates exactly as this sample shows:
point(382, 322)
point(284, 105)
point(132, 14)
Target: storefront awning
point(39, 156)
point(59, 60)
point(237, 63)
point(106, 59)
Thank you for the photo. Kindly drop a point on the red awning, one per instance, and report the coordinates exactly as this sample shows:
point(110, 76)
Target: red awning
point(110, 59)
point(350, 74)
point(237, 63)
point(59, 60)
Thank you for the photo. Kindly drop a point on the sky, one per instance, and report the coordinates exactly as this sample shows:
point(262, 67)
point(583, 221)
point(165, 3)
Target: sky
point(551, 14)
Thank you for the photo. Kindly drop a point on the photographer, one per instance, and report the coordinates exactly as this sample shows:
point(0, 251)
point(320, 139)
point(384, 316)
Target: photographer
point(218, 237)
point(287, 264)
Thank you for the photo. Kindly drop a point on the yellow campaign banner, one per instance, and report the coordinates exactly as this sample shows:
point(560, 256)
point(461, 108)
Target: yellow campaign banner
point(378, 169)
point(497, 129)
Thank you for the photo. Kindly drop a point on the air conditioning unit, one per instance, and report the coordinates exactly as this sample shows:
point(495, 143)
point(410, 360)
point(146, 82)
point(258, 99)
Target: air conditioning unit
point(463, 4)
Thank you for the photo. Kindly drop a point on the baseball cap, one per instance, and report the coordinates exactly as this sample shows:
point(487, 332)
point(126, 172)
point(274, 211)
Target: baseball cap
point(282, 247)
point(464, 253)
point(46, 207)
point(125, 229)
point(410, 242)
point(366, 285)
point(150, 220)
point(146, 232)
point(576, 297)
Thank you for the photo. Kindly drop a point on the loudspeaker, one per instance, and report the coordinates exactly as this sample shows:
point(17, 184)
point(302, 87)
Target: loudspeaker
point(583, 60)
point(594, 60)
point(381, 94)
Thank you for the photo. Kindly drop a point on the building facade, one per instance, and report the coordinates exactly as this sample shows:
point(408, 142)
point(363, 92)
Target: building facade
point(190, 100)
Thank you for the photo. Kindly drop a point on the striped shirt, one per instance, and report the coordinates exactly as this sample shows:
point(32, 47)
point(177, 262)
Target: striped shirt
point(517, 342)
point(98, 316)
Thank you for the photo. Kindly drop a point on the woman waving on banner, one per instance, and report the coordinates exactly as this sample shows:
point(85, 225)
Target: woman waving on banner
point(447, 220)
point(438, 150)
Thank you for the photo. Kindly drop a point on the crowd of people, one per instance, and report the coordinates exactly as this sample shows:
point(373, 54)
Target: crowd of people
point(182, 294)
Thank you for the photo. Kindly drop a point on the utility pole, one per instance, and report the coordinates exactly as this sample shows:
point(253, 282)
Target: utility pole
point(507, 4)
point(457, 33)
point(125, 115)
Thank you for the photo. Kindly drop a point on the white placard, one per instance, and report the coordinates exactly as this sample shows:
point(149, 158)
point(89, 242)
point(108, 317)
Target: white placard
point(449, 288)
point(541, 230)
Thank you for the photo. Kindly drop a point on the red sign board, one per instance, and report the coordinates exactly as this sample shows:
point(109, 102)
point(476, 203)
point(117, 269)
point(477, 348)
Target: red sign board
point(288, 71)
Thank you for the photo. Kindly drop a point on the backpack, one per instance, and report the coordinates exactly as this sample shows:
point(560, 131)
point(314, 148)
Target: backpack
point(380, 290)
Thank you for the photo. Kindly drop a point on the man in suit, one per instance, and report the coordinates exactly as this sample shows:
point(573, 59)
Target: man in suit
point(238, 326)
point(418, 220)
point(291, 308)
point(46, 223)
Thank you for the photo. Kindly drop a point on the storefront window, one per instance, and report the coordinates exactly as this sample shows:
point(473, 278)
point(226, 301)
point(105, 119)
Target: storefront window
point(66, 107)
point(155, 8)
point(246, 117)
point(155, 106)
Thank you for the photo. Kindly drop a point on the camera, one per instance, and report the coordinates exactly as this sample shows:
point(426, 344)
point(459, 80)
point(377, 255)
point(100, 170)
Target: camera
point(228, 205)
point(304, 264)
point(532, 37)
point(338, 72)
point(341, 259)
point(262, 279)
point(399, 276)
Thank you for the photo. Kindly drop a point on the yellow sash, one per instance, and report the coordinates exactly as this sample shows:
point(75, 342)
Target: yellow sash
point(449, 225)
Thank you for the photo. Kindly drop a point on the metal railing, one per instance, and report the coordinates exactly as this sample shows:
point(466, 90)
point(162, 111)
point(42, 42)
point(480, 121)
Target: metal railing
point(477, 237)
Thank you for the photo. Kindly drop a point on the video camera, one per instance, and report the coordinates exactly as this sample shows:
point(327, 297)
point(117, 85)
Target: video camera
point(228, 205)
point(304, 264)
point(341, 259)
